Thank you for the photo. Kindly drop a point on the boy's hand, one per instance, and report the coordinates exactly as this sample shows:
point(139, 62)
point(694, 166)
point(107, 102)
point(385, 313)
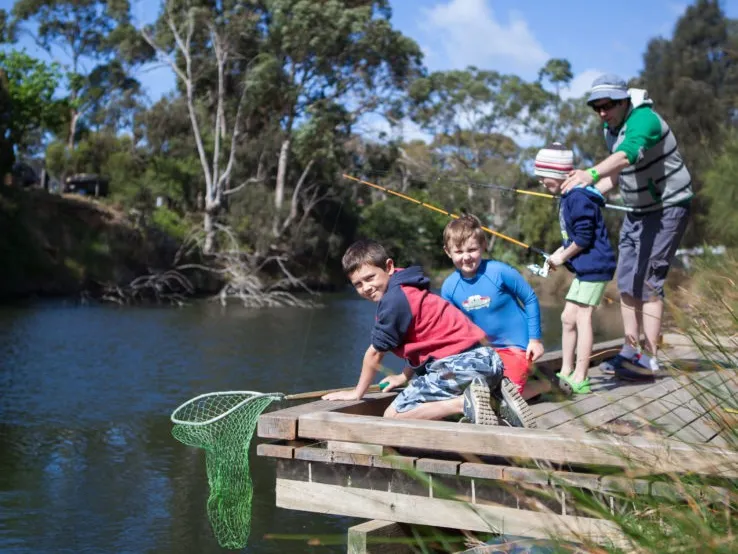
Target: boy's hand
point(534, 351)
point(393, 381)
point(556, 259)
point(341, 395)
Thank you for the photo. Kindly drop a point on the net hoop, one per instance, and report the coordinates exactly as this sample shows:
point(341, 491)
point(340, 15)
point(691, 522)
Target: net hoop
point(250, 395)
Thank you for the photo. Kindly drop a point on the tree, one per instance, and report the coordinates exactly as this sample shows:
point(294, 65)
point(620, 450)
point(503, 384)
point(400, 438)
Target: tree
point(5, 34)
point(90, 33)
point(692, 79)
point(184, 38)
point(689, 79)
point(29, 85)
point(331, 52)
point(557, 71)
point(474, 116)
point(722, 194)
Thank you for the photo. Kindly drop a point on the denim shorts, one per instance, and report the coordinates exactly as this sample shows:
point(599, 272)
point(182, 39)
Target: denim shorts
point(448, 377)
point(647, 246)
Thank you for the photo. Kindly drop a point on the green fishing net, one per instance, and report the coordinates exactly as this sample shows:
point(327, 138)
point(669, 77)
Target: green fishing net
point(222, 423)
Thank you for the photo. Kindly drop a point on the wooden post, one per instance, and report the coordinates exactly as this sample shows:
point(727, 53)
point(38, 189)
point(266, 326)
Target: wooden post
point(366, 538)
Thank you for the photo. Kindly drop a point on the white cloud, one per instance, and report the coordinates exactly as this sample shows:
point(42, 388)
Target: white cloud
point(469, 34)
point(581, 83)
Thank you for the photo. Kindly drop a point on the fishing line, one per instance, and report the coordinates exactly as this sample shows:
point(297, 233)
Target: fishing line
point(526, 192)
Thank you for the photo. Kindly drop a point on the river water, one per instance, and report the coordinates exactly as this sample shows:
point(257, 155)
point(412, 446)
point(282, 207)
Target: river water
point(87, 460)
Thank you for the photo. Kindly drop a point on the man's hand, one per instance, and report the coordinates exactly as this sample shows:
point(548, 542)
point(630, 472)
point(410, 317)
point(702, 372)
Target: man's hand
point(576, 178)
point(534, 351)
point(341, 395)
point(393, 381)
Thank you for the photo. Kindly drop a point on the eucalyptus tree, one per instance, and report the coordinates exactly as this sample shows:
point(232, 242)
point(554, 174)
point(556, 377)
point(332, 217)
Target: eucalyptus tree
point(475, 116)
point(335, 52)
point(93, 41)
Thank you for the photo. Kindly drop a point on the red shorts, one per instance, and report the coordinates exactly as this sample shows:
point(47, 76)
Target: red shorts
point(516, 365)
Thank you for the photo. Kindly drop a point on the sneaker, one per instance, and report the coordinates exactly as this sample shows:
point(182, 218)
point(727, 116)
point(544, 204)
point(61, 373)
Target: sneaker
point(477, 406)
point(611, 365)
point(635, 370)
point(514, 410)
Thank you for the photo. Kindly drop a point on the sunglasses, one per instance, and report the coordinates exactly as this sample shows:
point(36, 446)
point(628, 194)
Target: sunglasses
point(607, 106)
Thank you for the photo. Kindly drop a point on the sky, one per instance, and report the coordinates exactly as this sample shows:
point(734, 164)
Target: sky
point(509, 36)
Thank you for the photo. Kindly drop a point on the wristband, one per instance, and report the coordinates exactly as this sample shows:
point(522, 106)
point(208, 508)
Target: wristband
point(595, 176)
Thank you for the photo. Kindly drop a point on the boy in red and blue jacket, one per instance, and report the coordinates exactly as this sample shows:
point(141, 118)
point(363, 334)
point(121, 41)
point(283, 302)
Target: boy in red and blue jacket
point(450, 370)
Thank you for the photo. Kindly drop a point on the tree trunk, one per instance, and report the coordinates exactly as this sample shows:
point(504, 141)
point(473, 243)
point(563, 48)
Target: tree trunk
point(74, 116)
point(281, 178)
point(208, 224)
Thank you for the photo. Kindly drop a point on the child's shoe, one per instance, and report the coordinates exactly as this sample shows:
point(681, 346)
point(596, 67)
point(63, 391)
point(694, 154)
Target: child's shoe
point(583, 387)
point(514, 410)
point(477, 407)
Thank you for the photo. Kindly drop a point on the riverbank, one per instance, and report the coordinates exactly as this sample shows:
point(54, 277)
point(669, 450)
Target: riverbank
point(53, 245)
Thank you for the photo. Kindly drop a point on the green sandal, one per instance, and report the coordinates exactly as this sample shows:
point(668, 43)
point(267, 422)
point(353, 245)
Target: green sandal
point(576, 388)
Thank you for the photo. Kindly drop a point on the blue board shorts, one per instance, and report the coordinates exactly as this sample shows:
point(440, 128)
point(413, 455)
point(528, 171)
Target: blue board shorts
point(646, 249)
point(448, 377)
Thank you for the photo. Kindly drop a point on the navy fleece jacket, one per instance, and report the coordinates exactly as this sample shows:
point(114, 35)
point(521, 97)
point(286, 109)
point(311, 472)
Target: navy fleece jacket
point(581, 220)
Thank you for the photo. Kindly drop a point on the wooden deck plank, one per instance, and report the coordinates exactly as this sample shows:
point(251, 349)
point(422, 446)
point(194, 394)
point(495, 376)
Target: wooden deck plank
point(701, 430)
point(282, 424)
point(601, 385)
point(674, 411)
point(272, 450)
point(643, 419)
point(364, 503)
point(536, 444)
point(624, 405)
point(605, 396)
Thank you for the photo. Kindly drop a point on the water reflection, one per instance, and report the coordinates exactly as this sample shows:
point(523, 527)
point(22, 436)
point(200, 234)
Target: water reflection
point(87, 461)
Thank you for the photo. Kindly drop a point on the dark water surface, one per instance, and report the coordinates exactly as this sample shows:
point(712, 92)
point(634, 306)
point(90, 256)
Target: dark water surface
point(87, 460)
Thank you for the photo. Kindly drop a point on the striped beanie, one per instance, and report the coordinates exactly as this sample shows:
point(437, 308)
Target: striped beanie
point(554, 161)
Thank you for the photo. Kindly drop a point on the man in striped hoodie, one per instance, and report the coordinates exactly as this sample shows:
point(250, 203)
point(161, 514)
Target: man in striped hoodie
point(645, 163)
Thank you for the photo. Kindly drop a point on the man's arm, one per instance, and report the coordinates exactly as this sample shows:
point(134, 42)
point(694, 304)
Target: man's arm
point(369, 368)
point(643, 131)
point(608, 169)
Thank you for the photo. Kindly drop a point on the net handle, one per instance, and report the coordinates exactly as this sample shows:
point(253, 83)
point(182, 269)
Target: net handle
point(252, 395)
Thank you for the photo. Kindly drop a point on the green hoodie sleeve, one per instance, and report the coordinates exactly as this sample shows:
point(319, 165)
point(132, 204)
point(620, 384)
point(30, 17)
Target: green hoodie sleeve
point(642, 131)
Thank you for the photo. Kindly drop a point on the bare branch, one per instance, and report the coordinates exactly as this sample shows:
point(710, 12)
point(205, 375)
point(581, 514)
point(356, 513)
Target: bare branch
point(249, 181)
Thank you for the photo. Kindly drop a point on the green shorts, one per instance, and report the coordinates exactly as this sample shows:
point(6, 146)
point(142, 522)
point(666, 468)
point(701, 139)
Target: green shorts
point(589, 293)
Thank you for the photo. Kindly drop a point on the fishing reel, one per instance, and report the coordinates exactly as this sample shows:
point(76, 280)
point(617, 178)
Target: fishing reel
point(540, 271)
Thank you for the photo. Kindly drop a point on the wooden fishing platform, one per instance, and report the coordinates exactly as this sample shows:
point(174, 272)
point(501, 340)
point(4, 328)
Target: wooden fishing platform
point(343, 458)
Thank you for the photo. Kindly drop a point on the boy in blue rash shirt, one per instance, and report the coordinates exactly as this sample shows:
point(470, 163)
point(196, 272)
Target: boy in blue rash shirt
point(586, 246)
point(498, 299)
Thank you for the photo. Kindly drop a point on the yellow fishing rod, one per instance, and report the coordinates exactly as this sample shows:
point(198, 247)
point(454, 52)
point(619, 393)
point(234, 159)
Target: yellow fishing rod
point(526, 192)
point(539, 194)
point(449, 214)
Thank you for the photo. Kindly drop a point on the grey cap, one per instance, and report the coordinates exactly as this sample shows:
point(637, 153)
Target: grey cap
point(608, 86)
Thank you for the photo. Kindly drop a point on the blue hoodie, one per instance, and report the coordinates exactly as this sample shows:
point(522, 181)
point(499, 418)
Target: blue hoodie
point(581, 220)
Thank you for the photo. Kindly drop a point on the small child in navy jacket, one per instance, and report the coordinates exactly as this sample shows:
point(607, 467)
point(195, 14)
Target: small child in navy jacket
point(586, 247)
